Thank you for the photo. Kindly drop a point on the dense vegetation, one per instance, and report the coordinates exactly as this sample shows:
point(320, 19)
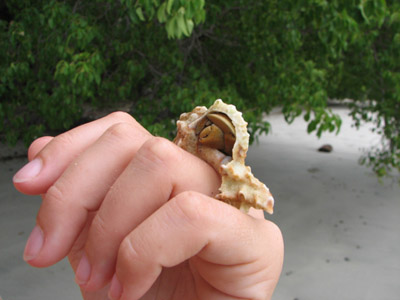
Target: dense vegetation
point(57, 58)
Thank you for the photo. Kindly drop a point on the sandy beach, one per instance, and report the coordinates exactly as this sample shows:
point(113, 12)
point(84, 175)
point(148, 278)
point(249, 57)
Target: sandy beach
point(340, 225)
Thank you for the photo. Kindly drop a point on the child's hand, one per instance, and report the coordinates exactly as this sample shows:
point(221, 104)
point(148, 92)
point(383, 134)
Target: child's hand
point(119, 201)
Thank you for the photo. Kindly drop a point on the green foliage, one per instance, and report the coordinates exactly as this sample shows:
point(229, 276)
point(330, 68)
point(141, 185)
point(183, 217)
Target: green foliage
point(179, 17)
point(164, 57)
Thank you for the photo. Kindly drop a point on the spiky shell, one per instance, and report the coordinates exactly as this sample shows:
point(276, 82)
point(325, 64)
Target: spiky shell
point(239, 187)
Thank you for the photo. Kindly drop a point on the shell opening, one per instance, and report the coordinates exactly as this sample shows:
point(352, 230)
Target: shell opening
point(217, 131)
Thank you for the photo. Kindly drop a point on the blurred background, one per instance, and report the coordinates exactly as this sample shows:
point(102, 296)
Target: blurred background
point(305, 73)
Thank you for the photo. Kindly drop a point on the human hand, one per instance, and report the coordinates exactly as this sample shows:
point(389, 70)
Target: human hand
point(136, 210)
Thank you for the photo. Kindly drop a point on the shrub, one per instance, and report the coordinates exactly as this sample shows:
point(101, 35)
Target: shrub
point(164, 57)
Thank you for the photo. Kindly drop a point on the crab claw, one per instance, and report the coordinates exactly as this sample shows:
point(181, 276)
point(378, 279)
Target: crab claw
point(219, 136)
point(218, 132)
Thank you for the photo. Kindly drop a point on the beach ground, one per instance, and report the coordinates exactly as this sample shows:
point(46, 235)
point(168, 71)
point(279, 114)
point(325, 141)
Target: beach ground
point(340, 225)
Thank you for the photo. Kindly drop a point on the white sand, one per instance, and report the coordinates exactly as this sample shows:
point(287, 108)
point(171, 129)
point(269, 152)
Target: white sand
point(341, 227)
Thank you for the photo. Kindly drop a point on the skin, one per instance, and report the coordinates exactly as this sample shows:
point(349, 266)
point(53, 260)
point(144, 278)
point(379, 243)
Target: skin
point(135, 215)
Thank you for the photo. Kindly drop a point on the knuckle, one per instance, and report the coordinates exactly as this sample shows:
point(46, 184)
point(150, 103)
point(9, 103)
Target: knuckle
point(99, 226)
point(129, 250)
point(189, 206)
point(121, 116)
point(273, 238)
point(63, 141)
point(120, 130)
point(54, 198)
point(274, 232)
point(37, 145)
point(160, 149)
point(55, 194)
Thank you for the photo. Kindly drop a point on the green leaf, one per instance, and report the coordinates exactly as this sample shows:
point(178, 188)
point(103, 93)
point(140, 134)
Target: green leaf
point(161, 15)
point(395, 18)
point(169, 6)
point(199, 16)
point(362, 11)
point(307, 116)
point(139, 13)
point(190, 26)
point(312, 126)
point(51, 23)
point(182, 24)
point(170, 27)
point(396, 39)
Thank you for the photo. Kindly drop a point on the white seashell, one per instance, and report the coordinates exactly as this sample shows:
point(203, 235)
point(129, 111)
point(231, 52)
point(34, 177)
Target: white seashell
point(239, 187)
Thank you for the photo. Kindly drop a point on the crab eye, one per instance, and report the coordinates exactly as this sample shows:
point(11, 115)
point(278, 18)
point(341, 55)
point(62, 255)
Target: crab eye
point(217, 131)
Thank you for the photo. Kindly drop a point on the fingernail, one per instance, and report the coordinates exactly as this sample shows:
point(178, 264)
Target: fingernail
point(29, 171)
point(34, 244)
point(83, 271)
point(115, 290)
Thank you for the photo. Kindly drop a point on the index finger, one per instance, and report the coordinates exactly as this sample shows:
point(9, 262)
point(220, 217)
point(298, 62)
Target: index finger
point(47, 166)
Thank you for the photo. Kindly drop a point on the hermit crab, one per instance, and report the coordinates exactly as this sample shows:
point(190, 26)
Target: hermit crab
point(219, 136)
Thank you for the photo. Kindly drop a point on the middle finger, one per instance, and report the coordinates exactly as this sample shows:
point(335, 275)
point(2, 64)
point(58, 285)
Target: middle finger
point(159, 171)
